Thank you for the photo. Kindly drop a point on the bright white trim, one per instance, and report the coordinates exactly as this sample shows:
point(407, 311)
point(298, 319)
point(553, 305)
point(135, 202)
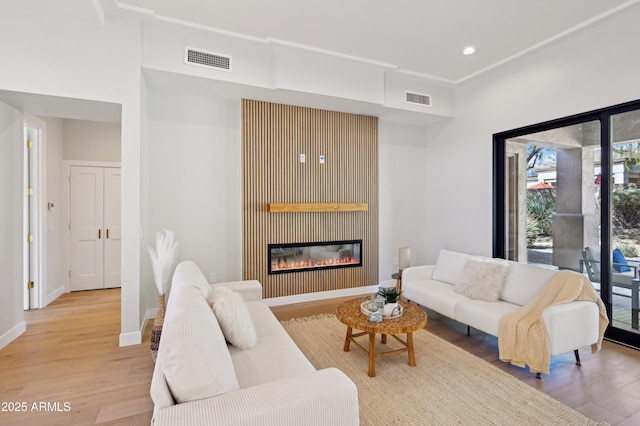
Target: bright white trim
point(271, 40)
point(134, 9)
point(13, 334)
point(67, 164)
point(129, 339)
point(38, 170)
point(52, 296)
point(207, 28)
point(151, 314)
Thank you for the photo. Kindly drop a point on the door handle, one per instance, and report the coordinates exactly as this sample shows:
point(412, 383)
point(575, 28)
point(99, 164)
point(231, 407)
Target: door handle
point(107, 233)
point(99, 233)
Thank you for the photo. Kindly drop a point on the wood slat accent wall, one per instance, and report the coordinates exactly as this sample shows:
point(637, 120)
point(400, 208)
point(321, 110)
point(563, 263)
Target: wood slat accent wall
point(273, 137)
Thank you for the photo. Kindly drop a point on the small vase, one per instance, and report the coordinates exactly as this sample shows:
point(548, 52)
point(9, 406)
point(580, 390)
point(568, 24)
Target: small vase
point(156, 331)
point(389, 307)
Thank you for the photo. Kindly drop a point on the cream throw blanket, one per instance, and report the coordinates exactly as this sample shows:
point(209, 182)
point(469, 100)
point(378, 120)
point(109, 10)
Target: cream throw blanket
point(522, 335)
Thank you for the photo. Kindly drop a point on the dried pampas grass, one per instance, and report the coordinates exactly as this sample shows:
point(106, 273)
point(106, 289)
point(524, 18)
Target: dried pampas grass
point(163, 259)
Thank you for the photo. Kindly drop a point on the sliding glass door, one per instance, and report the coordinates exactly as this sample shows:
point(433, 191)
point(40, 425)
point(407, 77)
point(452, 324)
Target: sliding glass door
point(624, 205)
point(566, 193)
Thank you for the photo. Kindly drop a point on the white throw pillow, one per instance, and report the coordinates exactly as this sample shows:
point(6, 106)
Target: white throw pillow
point(449, 266)
point(234, 318)
point(193, 354)
point(482, 279)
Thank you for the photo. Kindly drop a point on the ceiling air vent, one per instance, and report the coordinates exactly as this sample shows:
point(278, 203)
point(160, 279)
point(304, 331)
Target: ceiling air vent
point(417, 99)
point(207, 59)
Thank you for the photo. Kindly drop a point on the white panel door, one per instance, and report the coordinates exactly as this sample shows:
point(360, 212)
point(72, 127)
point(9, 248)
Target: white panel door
point(86, 212)
point(112, 232)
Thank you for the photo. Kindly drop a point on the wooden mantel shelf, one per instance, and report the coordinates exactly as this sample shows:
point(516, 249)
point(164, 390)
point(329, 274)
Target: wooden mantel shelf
point(316, 207)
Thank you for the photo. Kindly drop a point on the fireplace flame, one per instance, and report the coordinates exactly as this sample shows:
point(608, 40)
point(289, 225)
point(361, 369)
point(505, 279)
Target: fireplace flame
point(283, 264)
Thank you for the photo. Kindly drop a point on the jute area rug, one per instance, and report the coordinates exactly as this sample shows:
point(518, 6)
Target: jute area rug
point(448, 386)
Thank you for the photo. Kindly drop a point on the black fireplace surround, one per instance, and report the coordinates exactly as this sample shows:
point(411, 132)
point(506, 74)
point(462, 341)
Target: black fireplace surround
point(296, 257)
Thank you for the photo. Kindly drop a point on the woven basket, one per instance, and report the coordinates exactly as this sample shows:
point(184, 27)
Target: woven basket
point(156, 331)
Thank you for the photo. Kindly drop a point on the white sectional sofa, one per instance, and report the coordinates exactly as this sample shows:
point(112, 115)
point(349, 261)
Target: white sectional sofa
point(200, 379)
point(569, 326)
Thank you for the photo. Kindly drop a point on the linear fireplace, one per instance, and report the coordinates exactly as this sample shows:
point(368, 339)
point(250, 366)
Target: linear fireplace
point(298, 257)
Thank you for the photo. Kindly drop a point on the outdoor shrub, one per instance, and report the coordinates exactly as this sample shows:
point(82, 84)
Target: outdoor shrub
point(532, 230)
point(626, 208)
point(628, 250)
point(541, 210)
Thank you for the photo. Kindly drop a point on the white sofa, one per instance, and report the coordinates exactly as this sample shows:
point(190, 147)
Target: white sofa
point(200, 379)
point(569, 326)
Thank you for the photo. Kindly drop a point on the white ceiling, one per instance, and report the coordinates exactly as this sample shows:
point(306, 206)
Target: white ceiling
point(423, 37)
point(420, 37)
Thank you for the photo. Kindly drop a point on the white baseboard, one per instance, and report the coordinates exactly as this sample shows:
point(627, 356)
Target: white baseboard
point(13, 334)
point(53, 296)
point(320, 295)
point(129, 339)
point(151, 314)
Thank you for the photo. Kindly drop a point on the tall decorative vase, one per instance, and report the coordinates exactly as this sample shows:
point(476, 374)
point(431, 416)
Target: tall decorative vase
point(156, 331)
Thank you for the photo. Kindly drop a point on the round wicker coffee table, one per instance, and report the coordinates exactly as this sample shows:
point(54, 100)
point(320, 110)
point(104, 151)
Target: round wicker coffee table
point(411, 320)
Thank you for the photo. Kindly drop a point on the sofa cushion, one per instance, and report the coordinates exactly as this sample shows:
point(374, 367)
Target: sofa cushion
point(275, 356)
point(482, 279)
point(432, 294)
point(482, 315)
point(234, 318)
point(449, 266)
point(188, 274)
point(193, 352)
point(523, 282)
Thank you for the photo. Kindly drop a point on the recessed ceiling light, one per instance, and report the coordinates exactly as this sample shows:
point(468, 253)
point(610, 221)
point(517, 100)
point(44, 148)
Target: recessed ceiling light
point(469, 50)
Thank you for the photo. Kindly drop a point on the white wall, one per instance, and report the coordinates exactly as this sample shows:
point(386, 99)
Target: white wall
point(404, 210)
point(92, 140)
point(11, 232)
point(589, 70)
point(194, 179)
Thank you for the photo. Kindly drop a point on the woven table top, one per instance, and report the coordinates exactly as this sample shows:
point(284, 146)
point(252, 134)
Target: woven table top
point(411, 320)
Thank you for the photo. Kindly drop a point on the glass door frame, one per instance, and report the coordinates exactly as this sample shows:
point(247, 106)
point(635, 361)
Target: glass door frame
point(500, 208)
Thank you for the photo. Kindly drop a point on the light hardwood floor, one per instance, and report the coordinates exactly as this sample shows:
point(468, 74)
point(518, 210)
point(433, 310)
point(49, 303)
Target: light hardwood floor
point(70, 354)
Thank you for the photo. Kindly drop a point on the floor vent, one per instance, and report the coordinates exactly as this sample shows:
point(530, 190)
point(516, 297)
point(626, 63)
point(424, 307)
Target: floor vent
point(417, 99)
point(207, 59)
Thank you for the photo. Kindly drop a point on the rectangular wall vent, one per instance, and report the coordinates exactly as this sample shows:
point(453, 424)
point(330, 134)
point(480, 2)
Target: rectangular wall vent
point(207, 59)
point(417, 98)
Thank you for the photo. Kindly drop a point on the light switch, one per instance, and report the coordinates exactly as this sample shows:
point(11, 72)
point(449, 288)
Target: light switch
point(303, 158)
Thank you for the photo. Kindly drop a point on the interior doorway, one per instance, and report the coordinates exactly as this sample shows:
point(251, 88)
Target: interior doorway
point(95, 233)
